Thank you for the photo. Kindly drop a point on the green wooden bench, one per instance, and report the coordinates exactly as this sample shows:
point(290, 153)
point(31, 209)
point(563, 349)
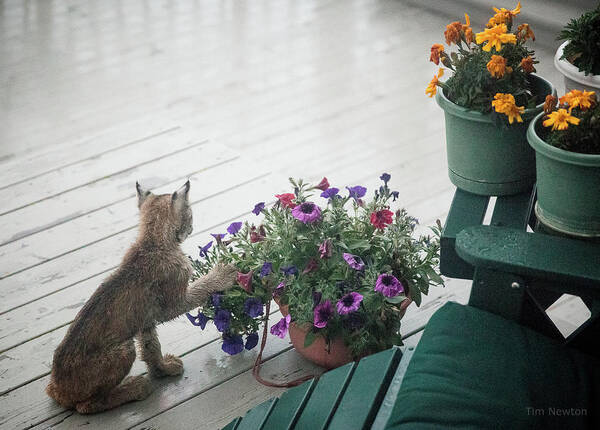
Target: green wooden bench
point(497, 363)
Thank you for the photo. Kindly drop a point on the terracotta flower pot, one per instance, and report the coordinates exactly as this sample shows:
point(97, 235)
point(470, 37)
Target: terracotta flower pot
point(317, 352)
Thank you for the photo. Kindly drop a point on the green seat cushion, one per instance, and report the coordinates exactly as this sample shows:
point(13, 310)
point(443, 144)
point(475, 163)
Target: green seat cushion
point(473, 369)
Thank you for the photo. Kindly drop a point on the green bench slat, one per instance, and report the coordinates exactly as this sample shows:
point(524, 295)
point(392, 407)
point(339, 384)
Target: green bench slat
point(233, 424)
point(366, 390)
point(255, 418)
point(466, 210)
point(555, 259)
point(513, 211)
point(287, 410)
point(388, 402)
point(324, 398)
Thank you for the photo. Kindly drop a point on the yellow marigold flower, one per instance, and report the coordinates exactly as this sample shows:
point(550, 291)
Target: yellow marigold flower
point(436, 50)
point(550, 103)
point(495, 37)
point(503, 15)
point(527, 64)
point(560, 120)
point(525, 32)
point(497, 66)
point(576, 98)
point(505, 103)
point(452, 32)
point(431, 89)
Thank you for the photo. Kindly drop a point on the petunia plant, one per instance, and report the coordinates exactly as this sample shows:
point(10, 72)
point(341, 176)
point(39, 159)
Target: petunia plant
point(491, 69)
point(345, 267)
point(572, 122)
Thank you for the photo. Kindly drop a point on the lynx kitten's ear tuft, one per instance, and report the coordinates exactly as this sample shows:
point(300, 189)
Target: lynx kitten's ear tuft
point(182, 193)
point(141, 193)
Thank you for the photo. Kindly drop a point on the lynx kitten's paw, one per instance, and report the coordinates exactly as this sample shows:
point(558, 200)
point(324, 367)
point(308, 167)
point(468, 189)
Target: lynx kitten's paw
point(170, 366)
point(223, 277)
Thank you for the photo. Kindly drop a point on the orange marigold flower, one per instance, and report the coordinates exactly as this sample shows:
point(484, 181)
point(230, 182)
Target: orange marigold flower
point(576, 98)
point(497, 66)
point(503, 15)
point(505, 103)
point(452, 32)
point(560, 120)
point(431, 89)
point(436, 50)
point(527, 64)
point(525, 32)
point(467, 30)
point(550, 103)
point(495, 37)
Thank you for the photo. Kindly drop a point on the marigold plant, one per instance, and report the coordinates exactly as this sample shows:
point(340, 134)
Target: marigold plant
point(492, 62)
point(343, 265)
point(572, 122)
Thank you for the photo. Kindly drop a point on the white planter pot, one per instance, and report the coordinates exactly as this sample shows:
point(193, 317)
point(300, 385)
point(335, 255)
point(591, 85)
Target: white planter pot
point(574, 79)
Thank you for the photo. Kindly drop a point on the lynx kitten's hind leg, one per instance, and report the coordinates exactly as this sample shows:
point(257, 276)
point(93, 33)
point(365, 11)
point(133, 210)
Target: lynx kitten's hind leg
point(132, 388)
point(150, 352)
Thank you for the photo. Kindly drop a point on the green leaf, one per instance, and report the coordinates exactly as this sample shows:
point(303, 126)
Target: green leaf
point(395, 300)
point(310, 338)
point(416, 295)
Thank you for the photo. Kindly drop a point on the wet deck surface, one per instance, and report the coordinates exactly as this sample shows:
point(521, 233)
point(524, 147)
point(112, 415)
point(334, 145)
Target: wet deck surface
point(235, 96)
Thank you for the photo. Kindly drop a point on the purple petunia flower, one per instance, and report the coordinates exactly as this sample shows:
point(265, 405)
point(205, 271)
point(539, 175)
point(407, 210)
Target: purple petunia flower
point(266, 270)
point(258, 208)
point(325, 250)
point(279, 289)
point(232, 344)
point(307, 212)
point(388, 285)
point(251, 341)
point(222, 319)
point(216, 299)
point(330, 193)
point(349, 303)
point(322, 313)
point(218, 236)
point(204, 249)
point(356, 192)
point(281, 328)
point(354, 261)
point(289, 270)
point(234, 227)
point(200, 320)
point(253, 306)
point(395, 195)
point(385, 178)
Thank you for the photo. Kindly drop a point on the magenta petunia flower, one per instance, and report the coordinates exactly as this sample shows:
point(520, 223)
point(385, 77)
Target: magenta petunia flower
point(354, 261)
point(307, 212)
point(322, 313)
point(349, 303)
point(323, 185)
point(281, 328)
point(245, 280)
point(325, 250)
point(388, 285)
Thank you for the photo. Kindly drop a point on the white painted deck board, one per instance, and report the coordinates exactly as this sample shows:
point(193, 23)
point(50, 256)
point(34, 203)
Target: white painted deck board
point(276, 89)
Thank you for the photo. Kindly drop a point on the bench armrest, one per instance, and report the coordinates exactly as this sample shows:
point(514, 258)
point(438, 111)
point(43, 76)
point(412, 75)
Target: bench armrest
point(532, 256)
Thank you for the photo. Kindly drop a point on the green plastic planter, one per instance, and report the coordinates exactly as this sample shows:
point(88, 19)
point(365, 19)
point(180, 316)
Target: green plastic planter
point(568, 187)
point(485, 159)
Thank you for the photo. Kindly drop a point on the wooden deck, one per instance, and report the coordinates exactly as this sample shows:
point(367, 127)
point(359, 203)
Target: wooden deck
point(235, 96)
